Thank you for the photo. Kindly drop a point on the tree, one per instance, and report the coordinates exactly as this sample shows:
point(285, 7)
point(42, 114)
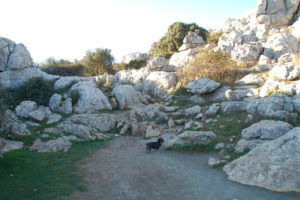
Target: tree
point(98, 61)
point(173, 39)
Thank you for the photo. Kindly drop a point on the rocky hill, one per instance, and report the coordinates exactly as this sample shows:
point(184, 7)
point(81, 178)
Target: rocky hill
point(256, 117)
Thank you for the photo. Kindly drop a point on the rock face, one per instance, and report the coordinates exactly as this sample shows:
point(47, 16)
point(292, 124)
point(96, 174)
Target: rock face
point(126, 96)
point(276, 12)
point(284, 72)
point(266, 130)
point(157, 63)
point(202, 86)
point(273, 165)
point(8, 145)
point(134, 56)
point(279, 44)
point(252, 79)
point(91, 98)
point(25, 108)
point(246, 53)
point(13, 56)
point(130, 76)
point(68, 81)
point(183, 58)
point(190, 41)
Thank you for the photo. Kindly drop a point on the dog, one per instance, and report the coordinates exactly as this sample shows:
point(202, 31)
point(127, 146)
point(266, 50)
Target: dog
point(154, 145)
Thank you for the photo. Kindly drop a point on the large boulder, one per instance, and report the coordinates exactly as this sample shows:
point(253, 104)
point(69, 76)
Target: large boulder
point(279, 44)
point(246, 53)
point(266, 130)
point(101, 122)
point(285, 72)
point(57, 104)
point(130, 76)
point(134, 56)
point(190, 41)
point(68, 81)
point(90, 98)
point(252, 79)
point(183, 58)
point(296, 29)
point(192, 137)
point(273, 165)
point(40, 114)
point(25, 107)
point(16, 78)
point(202, 86)
point(157, 63)
point(148, 112)
point(276, 13)
point(9, 145)
point(126, 96)
point(13, 56)
point(158, 83)
point(60, 144)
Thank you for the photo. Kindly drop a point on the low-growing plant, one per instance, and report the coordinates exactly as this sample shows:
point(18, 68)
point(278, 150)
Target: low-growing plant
point(217, 66)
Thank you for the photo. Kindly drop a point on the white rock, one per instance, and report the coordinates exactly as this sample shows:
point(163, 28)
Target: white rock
point(25, 107)
point(66, 106)
point(272, 165)
point(202, 86)
point(9, 145)
point(190, 41)
point(246, 53)
point(252, 79)
point(68, 81)
point(55, 102)
point(19, 59)
point(126, 96)
point(244, 145)
point(134, 56)
point(59, 144)
point(193, 110)
point(171, 123)
point(91, 98)
point(284, 72)
point(213, 109)
point(54, 118)
point(286, 58)
point(264, 60)
point(215, 161)
point(130, 76)
point(183, 58)
point(157, 63)
point(153, 131)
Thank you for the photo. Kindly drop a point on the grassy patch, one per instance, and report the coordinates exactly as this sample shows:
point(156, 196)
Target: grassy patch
point(34, 176)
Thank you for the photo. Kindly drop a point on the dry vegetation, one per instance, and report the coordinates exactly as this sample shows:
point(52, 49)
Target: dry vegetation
point(297, 59)
point(217, 66)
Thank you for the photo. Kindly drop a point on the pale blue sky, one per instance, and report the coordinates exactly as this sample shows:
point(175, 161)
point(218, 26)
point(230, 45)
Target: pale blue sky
point(67, 28)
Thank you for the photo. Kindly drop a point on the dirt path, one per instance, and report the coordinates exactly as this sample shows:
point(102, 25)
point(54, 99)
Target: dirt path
point(124, 171)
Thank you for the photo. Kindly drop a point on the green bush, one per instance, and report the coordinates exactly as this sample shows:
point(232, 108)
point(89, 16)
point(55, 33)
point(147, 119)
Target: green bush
point(213, 37)
point(173, 39)
point(36, 89)
point(217, 66)
point(133, 64)
point(98, 62)
point(71, 69)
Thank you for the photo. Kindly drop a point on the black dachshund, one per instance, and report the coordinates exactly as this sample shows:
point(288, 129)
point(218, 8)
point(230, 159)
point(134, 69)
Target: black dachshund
point(154, 145)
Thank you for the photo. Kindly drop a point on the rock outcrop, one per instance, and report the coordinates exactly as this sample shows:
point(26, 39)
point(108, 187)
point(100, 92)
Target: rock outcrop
point(9, 145)
point(202, 86)
point(127, 96)
point(134, 56)
point(273, 165)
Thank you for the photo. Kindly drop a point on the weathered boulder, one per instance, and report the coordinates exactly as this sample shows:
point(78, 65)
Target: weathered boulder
point(275, 13)
point(246, 53)
point(66, 106)
point(215, 161)
point(54, 118)
point(252, 79)
point(80, 130)
point(40, 114)
point(296, 102)
point(25, 107)
point(55, 102)
point(191, 40)
point(68, 81)
point(266, 130)
point(60, 144)
point(279, 44)
point(148, 112)
point(233, 106)
point(202, 86)
point(158, 83)
point(193, 110)
point(153, 131)
point(183, 58)
point(157, 63)
point(296, 29)
point(285, 72)
point(130, 76)
point(16, 78)
point(126, 96)
point(101, 122)
point(192, 137)
point(244, 145)
point(9, 145)
point(274, 85)
point(91, 98)
point(273, 165)
point(13, 56)
point(286, 58)
point(213, 109)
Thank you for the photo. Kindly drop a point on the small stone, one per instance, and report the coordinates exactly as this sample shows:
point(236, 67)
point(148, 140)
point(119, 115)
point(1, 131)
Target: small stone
point(171, 123)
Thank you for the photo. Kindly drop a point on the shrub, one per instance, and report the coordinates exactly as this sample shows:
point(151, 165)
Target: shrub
point(75, 95)
point(133, 64)
point(36, 89)
point(71, 69)
point(98, 62)
point(213, 37)
point(173, 39)
point(217, 66)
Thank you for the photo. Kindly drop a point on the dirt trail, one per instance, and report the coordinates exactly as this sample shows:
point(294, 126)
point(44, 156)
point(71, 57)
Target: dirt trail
point(124, 171)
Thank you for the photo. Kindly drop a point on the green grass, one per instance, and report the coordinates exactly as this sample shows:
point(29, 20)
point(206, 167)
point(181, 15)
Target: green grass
point(27, 175)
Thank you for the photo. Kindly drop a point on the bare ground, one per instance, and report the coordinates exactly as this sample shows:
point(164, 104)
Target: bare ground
point(124, 171)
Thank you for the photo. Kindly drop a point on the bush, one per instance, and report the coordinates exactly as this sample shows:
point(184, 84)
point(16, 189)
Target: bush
point(133, 64)
point(213, 37)
point(72, 69)
point(217, 66)
point(173, 39)
point(98, 62)
point(75, 95)
point(36, 89)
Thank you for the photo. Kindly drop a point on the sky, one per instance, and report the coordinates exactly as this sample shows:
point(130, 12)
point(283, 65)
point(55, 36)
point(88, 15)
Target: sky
point(66, 29)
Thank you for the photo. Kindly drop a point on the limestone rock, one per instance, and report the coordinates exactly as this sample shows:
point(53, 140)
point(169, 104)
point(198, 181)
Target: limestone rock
point(252, 79)
point(79, 130)
point(153, 131)
point(244, 145)
point(183, 58)
point(193, 110)
point(273, 165)
point(54, 118)
point(264, 60)
point(59, 144)
point(157, 63)
point(68, 81)
point(148, 112)
point(126, 96)
point(202, 86)
point(25, 107)
point(190, 41)
point(91, 98)
point(215, 161)
point(130, 76)
point(19, 59)
point(9, 145)
point(101, 122)
point(55, 102)
point(213, 109)
point(134, 56)
point(66, 106)
point(171, 123)
point(266, 130)
point(279, 44)
point(246, 53)
point(296, 29)
point(40, 114)
point(286, 58)
point(284, 72)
